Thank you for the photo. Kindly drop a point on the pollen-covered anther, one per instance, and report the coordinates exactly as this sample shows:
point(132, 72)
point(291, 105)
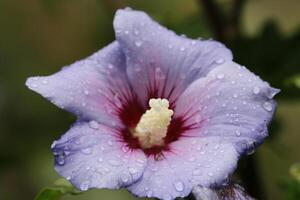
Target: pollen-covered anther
point(153, 125)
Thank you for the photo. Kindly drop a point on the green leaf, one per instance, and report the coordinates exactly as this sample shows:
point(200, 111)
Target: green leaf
point(295, 80)
point(61, 187)
point(295, 171)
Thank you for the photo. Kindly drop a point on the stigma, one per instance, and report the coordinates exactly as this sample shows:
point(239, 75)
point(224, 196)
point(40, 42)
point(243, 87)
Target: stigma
point(153, 124)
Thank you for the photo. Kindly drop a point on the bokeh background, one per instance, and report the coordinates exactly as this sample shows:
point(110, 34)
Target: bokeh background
point(38, 37)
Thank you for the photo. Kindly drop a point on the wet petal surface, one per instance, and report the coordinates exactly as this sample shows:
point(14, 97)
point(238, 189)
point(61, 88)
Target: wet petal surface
point(90, 155)
point(93, 88)
point(231, 103)
point(159, 62)
point(190, 162)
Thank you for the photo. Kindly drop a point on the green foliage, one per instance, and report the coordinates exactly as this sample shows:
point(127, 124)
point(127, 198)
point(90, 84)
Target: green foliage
point(291, 185)
point(61, 187)
point(294, 81)
point(272, 56)
point(295, 171)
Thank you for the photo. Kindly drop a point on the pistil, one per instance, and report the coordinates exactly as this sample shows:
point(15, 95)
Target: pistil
point(153, 125)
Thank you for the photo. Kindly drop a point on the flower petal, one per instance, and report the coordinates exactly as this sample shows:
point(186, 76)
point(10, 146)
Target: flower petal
point(191, 162)
point(231, 103)
point(159, 62)
point(90, 155)
point(92, 88)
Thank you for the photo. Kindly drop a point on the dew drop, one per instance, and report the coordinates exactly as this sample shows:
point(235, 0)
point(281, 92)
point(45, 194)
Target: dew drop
point(128, 8)
point(138, 43)
point(220, 61)
point(268, 106)
point(192, 159)
point(67, 153)
point(182, 48)
point(256, 90)
point(53, 144)
point(132, 170)
point(115, 162)
point(87, 151)
point(179, 186)
point(110, 143)
point(45, 82)
point(86, 92)
point(238, 133)
point(60, 160)
point(94, 125)
point(149, 194)
point(197, 172)
point(85, 186)
point(220, 76)
point(210, 174)
point(125, 178)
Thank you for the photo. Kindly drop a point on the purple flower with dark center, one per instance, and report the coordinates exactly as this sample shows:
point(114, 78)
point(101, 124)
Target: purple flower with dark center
point(157, 113)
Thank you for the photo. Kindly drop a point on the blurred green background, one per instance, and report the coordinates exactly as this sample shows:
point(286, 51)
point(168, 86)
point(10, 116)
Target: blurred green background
point(38, 37)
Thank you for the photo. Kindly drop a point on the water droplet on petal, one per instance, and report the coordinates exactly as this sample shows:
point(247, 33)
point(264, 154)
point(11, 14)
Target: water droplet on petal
point(115, 162)
point(220, 76)
point(110, 143)
point(179, 186)
point(53, 144)
point(68, 178)
point(210, 174)
point(45, 82)
point(87, 151)
point(84, 186)
point(86, 92)
point(182, 48)
point(60, 160)
point(197, 172)
point(125, 178)
point(94, 125)
point(132, 170)
point(192, 159)
point(256, 90)
point(238, 133)
point(138, 43)
point(136, 32)
point(149, 194)
point(268, 106)
point(220, 61)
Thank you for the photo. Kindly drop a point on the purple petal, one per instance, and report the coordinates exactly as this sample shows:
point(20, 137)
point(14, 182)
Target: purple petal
point(231, 103)
point(92, 88)
point(159, 62)
point(90, 155)
point(191, 162)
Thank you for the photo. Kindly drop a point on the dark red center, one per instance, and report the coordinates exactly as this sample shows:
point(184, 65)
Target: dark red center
point(130, 114)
